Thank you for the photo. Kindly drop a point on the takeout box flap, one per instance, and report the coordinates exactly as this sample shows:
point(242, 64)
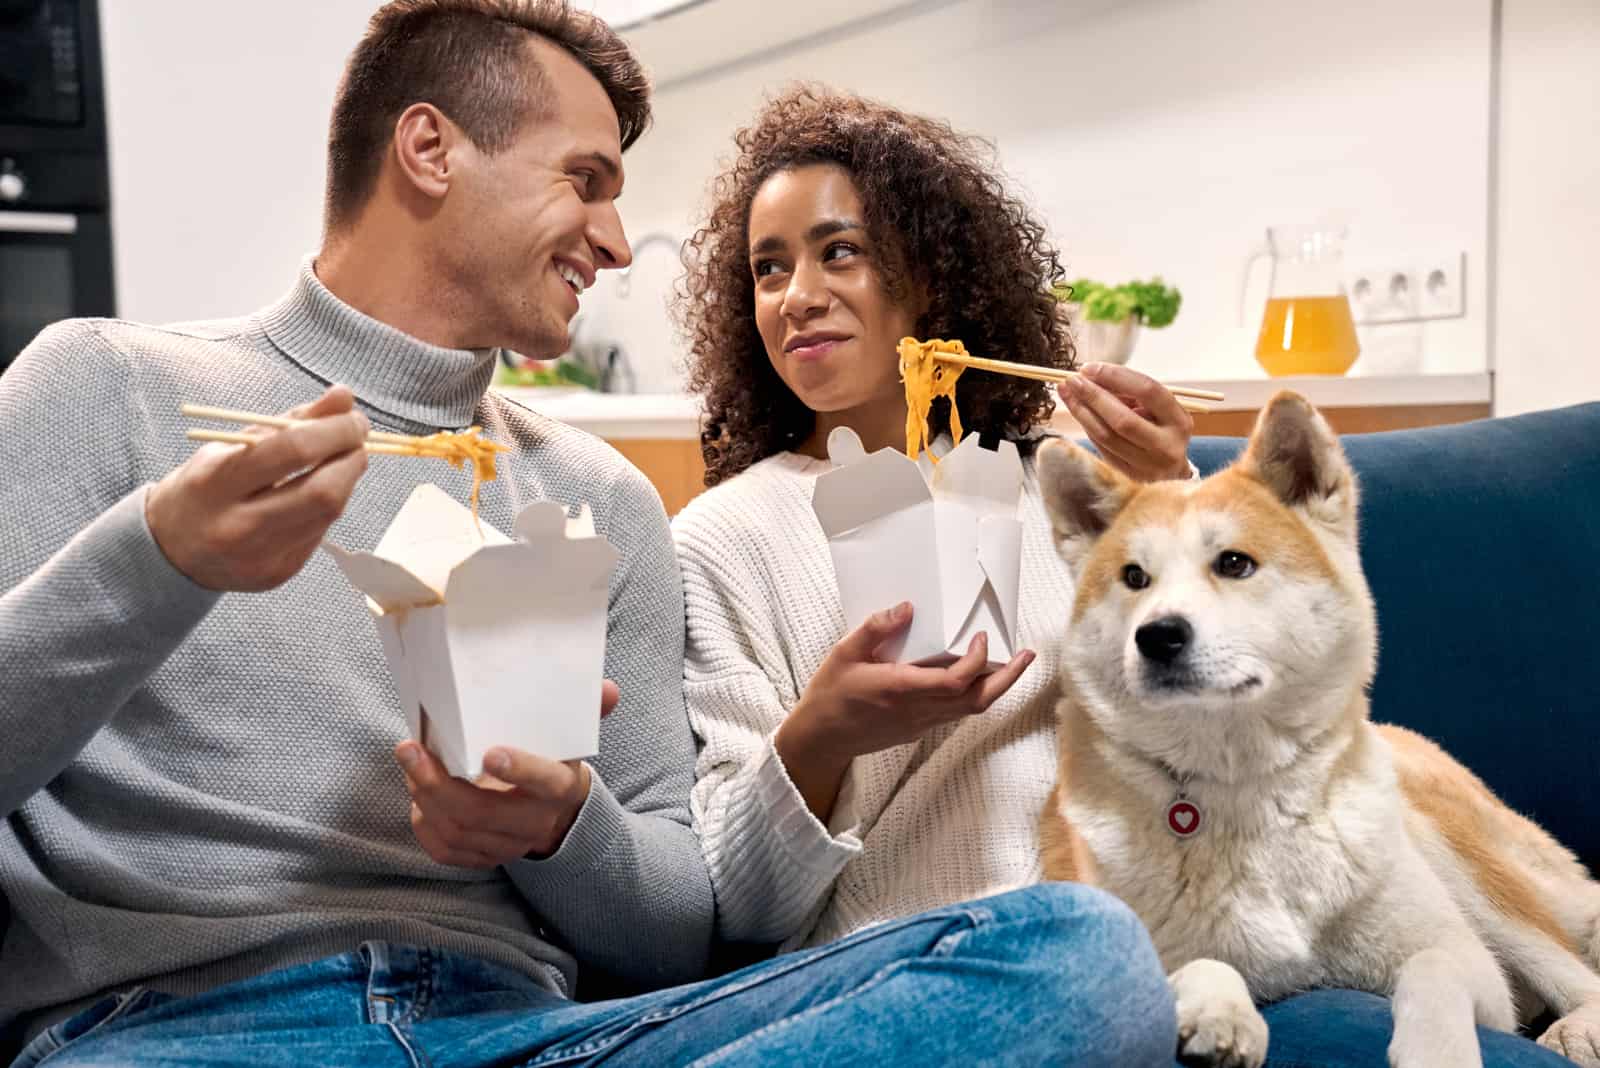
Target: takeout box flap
point(990, 480)
point(388, 586)
point(432, 533)
point(541, 520)
point(508, 581)
point(863, 486)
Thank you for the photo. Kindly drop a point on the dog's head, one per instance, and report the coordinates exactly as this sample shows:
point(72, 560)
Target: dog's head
point(1217, 625)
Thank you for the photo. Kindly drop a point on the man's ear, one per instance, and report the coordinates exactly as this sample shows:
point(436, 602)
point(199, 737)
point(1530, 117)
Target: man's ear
point(423, 141)
point(1082, 494)
point(1295, 454)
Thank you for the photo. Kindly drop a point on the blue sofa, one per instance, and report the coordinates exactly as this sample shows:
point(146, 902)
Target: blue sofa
point(1481, 542)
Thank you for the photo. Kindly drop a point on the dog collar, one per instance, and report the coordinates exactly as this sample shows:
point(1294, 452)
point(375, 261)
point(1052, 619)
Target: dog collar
point(1184, 818)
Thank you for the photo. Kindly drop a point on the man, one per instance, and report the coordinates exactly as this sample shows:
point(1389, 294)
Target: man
point(208, 849)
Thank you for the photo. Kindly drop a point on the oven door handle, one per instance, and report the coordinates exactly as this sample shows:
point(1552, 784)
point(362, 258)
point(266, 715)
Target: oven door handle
point(37, 222)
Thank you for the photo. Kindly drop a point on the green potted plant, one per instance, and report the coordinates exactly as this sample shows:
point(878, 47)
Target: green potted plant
point(1104, 320)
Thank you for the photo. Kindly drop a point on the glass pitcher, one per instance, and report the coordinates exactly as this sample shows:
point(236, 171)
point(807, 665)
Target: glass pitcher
point(1307, 328)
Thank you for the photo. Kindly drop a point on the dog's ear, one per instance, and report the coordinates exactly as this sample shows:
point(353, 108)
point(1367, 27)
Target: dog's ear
point(1295, 453)
point(1082, 494)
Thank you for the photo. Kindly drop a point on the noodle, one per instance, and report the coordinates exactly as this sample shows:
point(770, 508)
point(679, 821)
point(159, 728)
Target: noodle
point(464, 447)
point(926, 378)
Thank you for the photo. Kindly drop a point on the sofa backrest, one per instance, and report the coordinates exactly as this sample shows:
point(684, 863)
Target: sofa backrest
point(1481, 542)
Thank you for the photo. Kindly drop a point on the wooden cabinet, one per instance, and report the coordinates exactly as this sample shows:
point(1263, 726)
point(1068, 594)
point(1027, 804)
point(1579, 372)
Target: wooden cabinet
point(1350, 420)
point(673, 466)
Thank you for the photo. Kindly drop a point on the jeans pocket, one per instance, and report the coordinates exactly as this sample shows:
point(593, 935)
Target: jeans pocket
point(102, 1014)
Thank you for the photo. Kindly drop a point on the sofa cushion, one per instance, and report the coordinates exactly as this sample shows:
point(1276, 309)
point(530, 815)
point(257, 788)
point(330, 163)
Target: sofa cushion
point(1481, 542)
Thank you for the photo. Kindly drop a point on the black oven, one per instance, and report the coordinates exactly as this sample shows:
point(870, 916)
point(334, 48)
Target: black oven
point(55, 197)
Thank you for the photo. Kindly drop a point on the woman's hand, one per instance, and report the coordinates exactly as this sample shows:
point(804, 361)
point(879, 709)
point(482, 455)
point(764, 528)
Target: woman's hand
point(857, 704)
point(1133, 420)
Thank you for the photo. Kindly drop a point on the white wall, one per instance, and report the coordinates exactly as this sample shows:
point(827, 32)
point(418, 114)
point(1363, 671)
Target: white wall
point(1154, 135)
point(1162, 136)
point(218, 119)
point(1546, 324)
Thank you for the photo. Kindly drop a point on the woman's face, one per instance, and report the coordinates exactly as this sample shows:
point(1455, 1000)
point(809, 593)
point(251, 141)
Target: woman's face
point(826, 318)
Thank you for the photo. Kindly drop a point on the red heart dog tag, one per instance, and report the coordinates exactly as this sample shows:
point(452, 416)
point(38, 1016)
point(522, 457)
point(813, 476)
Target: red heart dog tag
point(1183, 818)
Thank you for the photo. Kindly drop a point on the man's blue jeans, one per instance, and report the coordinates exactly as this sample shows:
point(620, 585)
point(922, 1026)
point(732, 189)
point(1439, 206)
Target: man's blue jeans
point(1053, 974)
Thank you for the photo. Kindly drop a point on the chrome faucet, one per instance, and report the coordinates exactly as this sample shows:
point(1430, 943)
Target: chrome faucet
point(654, 237)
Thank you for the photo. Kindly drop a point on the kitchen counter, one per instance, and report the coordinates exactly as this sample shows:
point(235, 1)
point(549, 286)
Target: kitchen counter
point(615, 416)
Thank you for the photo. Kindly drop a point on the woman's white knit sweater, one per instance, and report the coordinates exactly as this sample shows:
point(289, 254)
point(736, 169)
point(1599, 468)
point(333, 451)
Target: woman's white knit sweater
point(948, 818)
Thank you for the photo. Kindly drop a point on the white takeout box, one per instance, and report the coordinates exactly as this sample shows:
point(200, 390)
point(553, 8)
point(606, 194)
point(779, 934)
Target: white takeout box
point(945, 537)
point(492, 642)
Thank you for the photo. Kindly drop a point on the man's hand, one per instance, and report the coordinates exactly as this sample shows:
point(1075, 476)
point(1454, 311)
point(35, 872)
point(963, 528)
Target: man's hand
point(523, 806)
point(1133, 420)
point(248, 517)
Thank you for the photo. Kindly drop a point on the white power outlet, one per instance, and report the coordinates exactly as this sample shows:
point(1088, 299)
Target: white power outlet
point(1431, 287)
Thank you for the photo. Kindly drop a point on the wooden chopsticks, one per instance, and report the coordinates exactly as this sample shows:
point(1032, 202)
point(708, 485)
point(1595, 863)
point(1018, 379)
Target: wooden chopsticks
point(377, 440)
point(1187, 398)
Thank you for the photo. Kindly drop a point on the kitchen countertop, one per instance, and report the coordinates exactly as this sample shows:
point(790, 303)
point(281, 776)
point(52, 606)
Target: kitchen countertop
point(677, 415)
point(614, 415)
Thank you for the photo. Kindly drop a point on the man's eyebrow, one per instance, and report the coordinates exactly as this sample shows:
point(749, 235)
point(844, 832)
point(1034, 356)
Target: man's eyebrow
point(612, 168)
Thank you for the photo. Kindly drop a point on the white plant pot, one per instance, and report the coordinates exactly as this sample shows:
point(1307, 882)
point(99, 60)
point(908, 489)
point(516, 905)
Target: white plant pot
point(1100, 340)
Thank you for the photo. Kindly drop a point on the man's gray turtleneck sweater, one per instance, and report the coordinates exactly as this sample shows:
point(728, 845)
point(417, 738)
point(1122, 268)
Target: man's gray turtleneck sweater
point(198, 788)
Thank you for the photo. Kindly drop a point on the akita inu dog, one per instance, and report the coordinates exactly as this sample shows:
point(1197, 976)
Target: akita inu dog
point(1220, 775)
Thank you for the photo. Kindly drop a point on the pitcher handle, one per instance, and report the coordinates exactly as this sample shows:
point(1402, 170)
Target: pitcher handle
point(1244, 277)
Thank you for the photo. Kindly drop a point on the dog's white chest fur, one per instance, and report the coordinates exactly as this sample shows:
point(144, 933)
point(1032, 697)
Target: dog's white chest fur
point(1272, 882)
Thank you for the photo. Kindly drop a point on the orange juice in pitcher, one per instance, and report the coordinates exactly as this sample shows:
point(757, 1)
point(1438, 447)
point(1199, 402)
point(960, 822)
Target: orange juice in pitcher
point(1307, 336)
point(1306, 328)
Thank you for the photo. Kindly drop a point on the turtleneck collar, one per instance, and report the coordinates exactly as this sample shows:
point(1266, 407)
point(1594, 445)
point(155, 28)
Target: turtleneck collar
point(388, 370)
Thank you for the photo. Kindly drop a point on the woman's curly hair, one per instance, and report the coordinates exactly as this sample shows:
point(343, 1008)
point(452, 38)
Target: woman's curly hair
point(942, 221)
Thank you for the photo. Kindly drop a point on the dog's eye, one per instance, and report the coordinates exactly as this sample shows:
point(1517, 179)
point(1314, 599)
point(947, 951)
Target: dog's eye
point(1234, 565)
point(1135, 577)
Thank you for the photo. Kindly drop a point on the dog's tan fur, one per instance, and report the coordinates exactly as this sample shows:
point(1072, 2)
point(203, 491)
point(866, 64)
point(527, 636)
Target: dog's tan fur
point(1333, 852)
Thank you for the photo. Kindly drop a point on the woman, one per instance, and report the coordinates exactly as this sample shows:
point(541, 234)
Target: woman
point(834, 791)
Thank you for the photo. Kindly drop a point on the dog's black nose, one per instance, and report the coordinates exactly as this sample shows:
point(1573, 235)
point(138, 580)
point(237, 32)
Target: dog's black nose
point(1162, 640)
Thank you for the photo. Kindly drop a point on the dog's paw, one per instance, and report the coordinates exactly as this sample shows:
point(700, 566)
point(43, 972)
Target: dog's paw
point(1576, 1036)
point(1218, 1025)
point(1450, 1047)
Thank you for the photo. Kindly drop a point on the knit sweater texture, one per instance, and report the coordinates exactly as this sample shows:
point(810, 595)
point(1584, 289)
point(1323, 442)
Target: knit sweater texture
point(947, 818)
point(197, 788)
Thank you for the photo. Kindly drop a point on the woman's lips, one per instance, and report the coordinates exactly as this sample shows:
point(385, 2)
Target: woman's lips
point(816, 350)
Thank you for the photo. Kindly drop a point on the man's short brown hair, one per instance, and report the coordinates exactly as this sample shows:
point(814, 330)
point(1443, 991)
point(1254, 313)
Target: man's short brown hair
point(470, 59)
